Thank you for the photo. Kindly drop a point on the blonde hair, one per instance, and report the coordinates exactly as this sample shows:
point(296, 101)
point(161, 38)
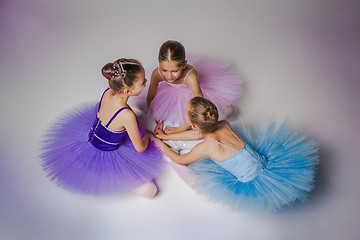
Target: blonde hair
point(203, 113)
point(172, 50)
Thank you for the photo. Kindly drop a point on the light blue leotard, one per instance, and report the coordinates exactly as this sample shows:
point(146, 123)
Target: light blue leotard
point(245, 164)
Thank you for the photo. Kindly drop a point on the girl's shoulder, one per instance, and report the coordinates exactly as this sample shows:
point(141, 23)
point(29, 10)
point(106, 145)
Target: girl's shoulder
point(124, 117)
point(190, 70)
point(204, 147)
point(127, 113)
point(119, 111)
point(190, 73)
point(155, 75)
point(224, 123)
point(221, 128)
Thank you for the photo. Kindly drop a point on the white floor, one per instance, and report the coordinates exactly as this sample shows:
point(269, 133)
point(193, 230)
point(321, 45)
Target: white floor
point(298, 59)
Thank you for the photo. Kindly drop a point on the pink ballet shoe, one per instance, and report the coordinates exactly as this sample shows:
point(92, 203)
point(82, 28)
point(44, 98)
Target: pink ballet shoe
point(147, 190)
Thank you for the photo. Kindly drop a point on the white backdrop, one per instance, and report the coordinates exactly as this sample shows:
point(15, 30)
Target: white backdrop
point(298, 59)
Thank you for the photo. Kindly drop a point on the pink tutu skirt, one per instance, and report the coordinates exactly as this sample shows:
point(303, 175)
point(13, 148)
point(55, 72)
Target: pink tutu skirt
point(218, 82)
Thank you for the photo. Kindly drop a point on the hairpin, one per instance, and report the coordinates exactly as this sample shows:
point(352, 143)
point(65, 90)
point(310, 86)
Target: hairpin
point(119, 69)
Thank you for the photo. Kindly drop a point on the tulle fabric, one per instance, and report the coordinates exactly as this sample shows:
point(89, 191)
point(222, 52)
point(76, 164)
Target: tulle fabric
point(218, 82)
point(74, 164)
point(288, 176)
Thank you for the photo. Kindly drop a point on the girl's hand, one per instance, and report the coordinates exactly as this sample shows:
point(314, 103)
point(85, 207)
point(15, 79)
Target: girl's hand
point(159, 133)
point(149, 132)
point(171, 130)
point(182, 128)
point(159, 125)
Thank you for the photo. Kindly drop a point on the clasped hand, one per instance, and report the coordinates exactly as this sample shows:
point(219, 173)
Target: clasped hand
point(158, 131)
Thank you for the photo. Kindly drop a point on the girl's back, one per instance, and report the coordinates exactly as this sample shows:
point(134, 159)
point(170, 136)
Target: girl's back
point(223, 143)
point(109, 106)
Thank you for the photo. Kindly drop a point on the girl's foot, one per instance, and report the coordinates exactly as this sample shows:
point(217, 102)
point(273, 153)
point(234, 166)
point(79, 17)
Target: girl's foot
point(228, 112)
point(147, 190)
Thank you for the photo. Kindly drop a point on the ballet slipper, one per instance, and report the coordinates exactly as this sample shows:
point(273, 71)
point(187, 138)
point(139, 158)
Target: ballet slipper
point(147, 190)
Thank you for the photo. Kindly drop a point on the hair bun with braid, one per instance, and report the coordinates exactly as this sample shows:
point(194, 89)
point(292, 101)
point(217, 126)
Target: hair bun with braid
point(203, 113)
point(121, 73)
point(209, 114)
point(108, 71)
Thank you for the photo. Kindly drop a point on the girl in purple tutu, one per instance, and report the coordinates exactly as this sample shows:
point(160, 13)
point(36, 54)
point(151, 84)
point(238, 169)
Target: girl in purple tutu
point(175, 81)
point(265, 169)
point(101, 148)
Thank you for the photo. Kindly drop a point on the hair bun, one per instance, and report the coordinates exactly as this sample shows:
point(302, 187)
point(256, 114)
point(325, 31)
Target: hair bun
point(108, 71)
point(209, 114)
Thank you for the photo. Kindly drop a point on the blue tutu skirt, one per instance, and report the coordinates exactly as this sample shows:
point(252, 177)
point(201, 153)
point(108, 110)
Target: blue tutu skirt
point(73, 163)
point(288, 176)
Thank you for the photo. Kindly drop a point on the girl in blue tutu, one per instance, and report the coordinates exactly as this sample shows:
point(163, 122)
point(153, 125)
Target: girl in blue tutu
point(101, 148)
point(264, 168)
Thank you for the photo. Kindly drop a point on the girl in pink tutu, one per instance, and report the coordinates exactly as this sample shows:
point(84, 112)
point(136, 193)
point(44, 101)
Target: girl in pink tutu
point(175, 81)
point(101, 148)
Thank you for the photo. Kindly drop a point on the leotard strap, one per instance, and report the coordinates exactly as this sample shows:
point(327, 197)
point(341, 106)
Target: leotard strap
point(107, 125)
point(102, 98)
point(187, 74)
point(213, 140)
point(235, 134)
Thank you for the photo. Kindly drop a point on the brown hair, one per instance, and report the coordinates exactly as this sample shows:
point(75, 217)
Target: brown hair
point(203, 113)
point(121, 73)
point(172, 50)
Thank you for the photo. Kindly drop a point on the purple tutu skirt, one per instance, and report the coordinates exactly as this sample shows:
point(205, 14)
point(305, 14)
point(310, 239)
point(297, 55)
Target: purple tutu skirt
point(73, 163)
point(218, 82)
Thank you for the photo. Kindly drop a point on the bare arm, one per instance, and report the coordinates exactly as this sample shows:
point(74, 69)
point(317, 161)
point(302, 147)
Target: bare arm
point(139, 122)
point(137, 119)
point(192, 82)
point(132, 129)
point(182, 128)
point(198, 152)
point(185, 135)
point(154, 81)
